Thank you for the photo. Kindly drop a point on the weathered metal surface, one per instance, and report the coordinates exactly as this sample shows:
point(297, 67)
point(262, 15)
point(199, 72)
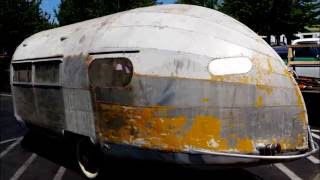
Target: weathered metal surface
point(41, 106)
point(78, 111)
point(176, 121)
point(174, 103)
point(77, 97)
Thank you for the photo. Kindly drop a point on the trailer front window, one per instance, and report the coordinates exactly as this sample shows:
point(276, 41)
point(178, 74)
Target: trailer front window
point(110, 72)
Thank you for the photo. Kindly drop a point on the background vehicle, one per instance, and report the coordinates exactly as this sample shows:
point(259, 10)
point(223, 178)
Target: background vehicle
point(282, 51)
point(306, 57)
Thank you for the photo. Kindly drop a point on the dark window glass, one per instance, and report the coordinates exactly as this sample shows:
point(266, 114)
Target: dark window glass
point(311, 52)
point(110, 72)
point(22, 72)
point(307, 36)
point(47, 72)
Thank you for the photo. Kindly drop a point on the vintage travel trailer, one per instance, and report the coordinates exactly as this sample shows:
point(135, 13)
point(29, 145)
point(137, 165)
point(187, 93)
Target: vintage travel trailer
point(176, 83)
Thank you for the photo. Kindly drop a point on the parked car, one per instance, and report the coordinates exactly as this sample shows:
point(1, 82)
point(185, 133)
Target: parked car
point(282, 51)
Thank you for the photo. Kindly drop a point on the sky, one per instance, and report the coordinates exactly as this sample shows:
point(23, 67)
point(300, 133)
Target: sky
point(50, 5)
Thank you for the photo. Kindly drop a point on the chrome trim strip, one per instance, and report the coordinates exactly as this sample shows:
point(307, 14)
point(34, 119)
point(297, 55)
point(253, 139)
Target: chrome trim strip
point(285, 157)
point(37, 60)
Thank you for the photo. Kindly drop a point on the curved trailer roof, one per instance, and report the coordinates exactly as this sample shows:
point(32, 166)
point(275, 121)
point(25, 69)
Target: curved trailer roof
point(181, 28)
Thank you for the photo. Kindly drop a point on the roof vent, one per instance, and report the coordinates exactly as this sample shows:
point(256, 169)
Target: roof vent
point(63, 38)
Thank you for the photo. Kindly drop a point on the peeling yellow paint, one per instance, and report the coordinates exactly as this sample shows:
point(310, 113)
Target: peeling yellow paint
point(203, 130)
point(300, 103)
point(270, 69)
point(259, 102)
point(127, 124)
point(218, 78)
point(299, 97)
point(245, 79)
point(302, 116)
point(205, 100)
point(151, 127)
point(238, 78)
point(245, 145)
point(287, 73)
point(267, 89)
point(289, 144)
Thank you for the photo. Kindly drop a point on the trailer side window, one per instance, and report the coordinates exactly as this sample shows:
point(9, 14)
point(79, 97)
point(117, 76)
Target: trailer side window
point(22, 72)
point(47, 72)
point(110, 72)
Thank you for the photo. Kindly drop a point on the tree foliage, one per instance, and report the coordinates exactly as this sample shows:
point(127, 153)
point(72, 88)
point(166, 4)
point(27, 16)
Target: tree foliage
point(71, 11)
point(274, 17)
point(18, 20)
point(213, 4)
point(268, 17)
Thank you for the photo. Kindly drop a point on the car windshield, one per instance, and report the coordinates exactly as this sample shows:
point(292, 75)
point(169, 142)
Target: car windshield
point(307, 52)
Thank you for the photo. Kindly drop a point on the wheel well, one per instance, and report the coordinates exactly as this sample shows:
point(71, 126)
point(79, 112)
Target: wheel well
point(69, 135)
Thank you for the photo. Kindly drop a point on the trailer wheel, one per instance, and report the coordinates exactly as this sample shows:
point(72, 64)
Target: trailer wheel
point(87, 157)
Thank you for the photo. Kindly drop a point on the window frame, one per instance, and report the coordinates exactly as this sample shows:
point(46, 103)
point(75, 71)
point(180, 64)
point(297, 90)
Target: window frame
point(33, 73)
point(13, 74)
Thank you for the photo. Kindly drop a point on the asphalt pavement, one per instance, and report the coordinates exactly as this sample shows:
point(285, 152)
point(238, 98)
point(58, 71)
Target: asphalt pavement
point(29, 156)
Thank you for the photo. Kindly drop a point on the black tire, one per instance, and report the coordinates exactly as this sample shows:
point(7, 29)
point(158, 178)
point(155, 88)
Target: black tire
point(88, 158)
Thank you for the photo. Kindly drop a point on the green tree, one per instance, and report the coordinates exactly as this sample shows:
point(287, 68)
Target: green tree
point(274, 17)
point(213, 4)
point(18, 20)
point(71, 11)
